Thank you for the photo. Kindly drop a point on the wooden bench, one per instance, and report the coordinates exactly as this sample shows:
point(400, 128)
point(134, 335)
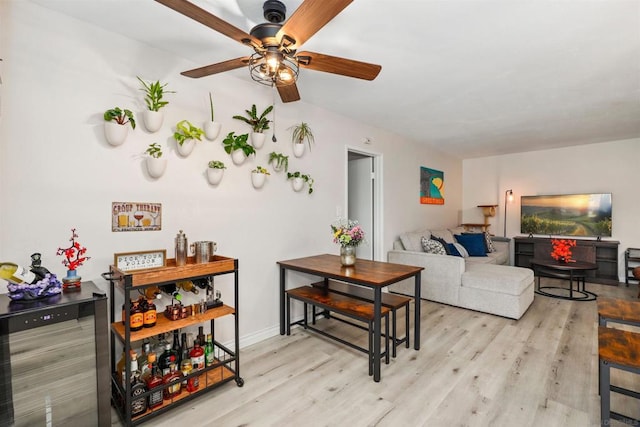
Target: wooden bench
point(617, 349)
point(350, 307)
point(393, 301)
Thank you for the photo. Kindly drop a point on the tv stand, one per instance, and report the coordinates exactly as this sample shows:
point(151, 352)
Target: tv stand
point(604, 253)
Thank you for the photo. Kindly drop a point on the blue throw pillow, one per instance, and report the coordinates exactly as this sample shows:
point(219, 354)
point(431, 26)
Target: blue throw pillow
point(453, 250)
point(473, 243)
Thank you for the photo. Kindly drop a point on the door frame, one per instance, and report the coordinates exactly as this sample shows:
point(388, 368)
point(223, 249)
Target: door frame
point(378, 196)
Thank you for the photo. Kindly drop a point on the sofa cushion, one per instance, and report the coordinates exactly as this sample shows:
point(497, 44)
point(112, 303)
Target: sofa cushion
point(453, 250)
point(497, 278)
point(445, 245)
point(444, 235)
point(489, 242)
point(413, 241)
point(473, 243)
point(433, 247)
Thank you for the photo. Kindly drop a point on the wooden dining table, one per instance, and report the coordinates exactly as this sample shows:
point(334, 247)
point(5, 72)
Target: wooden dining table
point(372, 274)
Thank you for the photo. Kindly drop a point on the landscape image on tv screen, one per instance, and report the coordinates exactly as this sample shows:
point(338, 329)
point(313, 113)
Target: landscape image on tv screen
point(587, 215)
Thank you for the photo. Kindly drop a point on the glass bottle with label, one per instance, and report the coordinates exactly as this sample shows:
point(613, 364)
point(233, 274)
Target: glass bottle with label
point(136, 317)
point(150, 314)
point(154, 383)
point(209, 357)
point(186, 368)
point(197, 356)
point(184, 348)
point(138, 387)
point(176, 347)
point(173, 375)
point(143, 359)
point(167, 358)
point(201, 338)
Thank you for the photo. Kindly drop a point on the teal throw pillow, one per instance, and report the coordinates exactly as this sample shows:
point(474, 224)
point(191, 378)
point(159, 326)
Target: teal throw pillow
point(475, 244)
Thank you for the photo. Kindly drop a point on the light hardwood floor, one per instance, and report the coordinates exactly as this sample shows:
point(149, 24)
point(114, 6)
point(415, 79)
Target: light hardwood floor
point(473, 369)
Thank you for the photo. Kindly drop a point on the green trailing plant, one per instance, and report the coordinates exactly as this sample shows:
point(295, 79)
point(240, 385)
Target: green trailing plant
point(234, 142)
point(260, 169)
point(216, 164)
point(154, 150)
point(279, 161)
point(185, 130)
point(258, 123)
point(211, 106)
point(154, 93)
point(301, 133)
point(306, 178)
point(120, 116)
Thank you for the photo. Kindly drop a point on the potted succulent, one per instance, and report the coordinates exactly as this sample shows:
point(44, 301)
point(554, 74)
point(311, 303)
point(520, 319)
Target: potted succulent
point(237, 147)
point(301, 133)
point(156, 165)
point(259, 176)
point(298, 180)
point(215, 172)
point(280, 161)
point(153, 117)
point(186, 135)
point(258, 123)
point(115, 126)
point(211, 128)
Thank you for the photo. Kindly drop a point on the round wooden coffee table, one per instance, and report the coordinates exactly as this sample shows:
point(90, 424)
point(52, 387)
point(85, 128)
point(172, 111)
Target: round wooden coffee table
point(573, 271)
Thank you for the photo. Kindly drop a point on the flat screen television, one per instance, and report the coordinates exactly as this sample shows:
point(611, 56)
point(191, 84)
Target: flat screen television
point(586, 215)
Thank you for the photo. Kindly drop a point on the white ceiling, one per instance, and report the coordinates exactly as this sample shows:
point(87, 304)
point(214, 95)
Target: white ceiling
point(473, 78)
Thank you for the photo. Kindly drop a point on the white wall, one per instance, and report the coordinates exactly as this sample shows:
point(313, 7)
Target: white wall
point(58, 172)
point(610, 167)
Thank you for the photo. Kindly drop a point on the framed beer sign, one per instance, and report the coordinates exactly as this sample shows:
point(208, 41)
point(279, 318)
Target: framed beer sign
point(136, 216)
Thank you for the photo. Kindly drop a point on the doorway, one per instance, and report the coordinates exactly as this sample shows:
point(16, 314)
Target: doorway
point(364, 199)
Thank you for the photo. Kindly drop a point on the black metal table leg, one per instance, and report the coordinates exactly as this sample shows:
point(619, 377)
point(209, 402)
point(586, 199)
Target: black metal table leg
point(377, 326)
point(283, 320)
point(416, 323)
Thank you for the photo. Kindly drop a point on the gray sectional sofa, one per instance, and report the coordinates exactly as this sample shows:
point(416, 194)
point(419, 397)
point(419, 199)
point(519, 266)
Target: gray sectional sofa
point(482, 283)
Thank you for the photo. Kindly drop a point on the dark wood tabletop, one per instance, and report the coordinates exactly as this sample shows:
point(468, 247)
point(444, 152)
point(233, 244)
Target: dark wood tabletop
point(364, 272)
point(564, 266)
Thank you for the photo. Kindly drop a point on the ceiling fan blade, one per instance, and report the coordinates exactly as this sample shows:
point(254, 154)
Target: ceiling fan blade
point(289, 93)
point(220, 67)
point(309, 18)
point(336, 65)
point(202, 16)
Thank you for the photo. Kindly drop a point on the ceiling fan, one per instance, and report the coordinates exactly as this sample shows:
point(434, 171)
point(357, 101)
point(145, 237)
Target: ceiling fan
point(276, 60)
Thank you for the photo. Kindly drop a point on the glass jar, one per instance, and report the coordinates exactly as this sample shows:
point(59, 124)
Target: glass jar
point(347, 255)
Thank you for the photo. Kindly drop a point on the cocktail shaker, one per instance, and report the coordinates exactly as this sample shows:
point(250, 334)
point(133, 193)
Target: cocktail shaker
point(181, 249)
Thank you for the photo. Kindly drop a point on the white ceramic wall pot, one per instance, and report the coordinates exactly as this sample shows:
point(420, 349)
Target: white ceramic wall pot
point(297, 184)
point(156, 167)
point(238, 157)
point(115, 133)
point(212, 130)
point(257, 139)
point(258, 179)
point(153, 120)
point(187, 147)
point(298, 149)
point(214, 176)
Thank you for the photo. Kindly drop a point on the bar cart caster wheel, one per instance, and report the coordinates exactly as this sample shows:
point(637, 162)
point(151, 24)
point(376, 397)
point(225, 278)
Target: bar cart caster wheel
point(240, 382)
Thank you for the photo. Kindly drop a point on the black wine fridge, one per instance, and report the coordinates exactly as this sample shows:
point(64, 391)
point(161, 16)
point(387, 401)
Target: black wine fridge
point(54, 360)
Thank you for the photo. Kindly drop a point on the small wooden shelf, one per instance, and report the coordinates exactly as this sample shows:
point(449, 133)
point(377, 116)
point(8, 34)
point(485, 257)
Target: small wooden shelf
point(164, 325)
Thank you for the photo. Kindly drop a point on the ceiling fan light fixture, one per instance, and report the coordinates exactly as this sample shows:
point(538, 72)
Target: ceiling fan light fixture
point(273, 68)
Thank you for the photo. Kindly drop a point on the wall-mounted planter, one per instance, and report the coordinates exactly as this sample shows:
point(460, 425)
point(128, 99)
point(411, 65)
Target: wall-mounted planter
point(298, 149)
point(258, 179)
point(238, 157)
point(153, 120)
point(257, 139)
point(212, 130)
point(156, 167)
point(115, 133)
point(186, 147)
point(297, 184)
point(214, 176)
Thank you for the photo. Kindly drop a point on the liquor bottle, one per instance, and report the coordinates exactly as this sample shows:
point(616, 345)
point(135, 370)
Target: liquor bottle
point(143, 359)
point(138, 404)
point(184, 347)
point(152, 292)
point(160, 346)
point(120, 367)
point(134, 363)
point(16, 274)
point(174, 389)
point(197, 356)
point(186, 368)
point(150, 314)
point(136, 317)
point(201, 338)
point(167, 358)
point(209, 358)
point(154, 383)
point(187, 286)
point(176, 347)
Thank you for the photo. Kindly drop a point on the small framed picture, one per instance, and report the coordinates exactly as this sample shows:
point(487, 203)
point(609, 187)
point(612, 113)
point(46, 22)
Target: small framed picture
point(142, 260)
